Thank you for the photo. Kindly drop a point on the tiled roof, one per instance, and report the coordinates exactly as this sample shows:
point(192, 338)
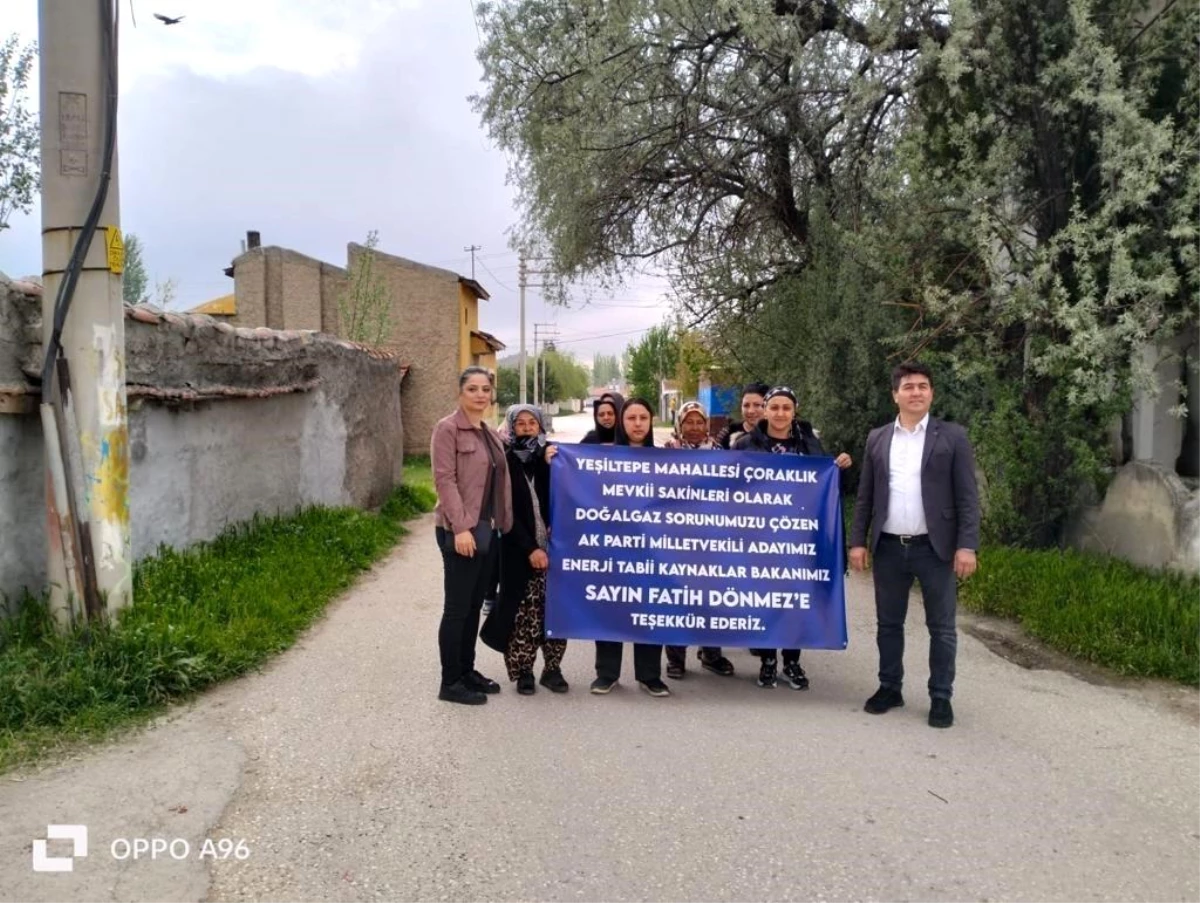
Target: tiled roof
point(225, 306)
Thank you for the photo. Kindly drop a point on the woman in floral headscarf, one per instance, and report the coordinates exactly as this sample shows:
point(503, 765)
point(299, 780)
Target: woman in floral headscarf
point(517, 624)
point(691, 431)
point(691, 428)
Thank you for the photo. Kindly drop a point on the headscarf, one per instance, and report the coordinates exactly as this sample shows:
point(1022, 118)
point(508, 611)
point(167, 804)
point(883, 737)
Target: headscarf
point(684, 409)
point(780, 390)
point(799, 427)
point(622, 437)
point(606, 434)
point(524, 448)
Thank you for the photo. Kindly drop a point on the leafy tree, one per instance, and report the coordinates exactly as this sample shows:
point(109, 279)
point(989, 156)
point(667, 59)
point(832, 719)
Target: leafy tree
point(606, 368)
point(701, 134)
point(1059, 148)
point(365, 307)
point(20, 139)
point(695, 356)
point(134, 279)
point(1009, 189)
point(564, 377)
point(652, 360)
point(164, 292)
point(508, 386)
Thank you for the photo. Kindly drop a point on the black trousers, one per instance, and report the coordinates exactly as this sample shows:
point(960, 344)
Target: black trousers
point(895, 567)
point(467, 581)
point(678, 654)
point(647, 661)
point(789, 655)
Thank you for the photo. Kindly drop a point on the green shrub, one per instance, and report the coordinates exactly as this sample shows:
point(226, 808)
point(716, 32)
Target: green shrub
point(199, 616)
point(1100, 609)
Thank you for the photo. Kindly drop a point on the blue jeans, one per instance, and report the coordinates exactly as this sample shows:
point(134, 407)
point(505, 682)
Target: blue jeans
point(895, 567)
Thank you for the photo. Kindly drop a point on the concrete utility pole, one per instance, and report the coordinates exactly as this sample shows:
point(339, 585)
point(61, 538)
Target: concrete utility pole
point(521, 274)
point(473, 249)
point(84, 400)
point(543, 333)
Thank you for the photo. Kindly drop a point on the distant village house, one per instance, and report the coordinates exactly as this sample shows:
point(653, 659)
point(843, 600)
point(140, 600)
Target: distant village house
point(434, 318)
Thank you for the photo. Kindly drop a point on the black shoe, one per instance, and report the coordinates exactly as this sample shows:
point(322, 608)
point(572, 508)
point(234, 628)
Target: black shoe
point(766, 673)
point(718, 664)
point(885, 698)
point(525, 684)
point(477, 681)
point(941, 713)
point(553, 681)
point(795, 676)
point(459, 692)
point(675, 670)
point(602, 685)
point(655, 687)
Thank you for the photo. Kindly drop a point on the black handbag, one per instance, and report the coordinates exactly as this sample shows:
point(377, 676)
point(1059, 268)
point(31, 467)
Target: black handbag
point(483, 531)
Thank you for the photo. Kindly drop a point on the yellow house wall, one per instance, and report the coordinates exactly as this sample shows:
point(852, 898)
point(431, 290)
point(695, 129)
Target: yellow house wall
point(468, 322)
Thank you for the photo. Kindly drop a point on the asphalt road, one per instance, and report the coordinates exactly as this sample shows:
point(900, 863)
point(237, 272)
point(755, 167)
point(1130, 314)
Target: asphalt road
point(573, 427)
point(343, 778)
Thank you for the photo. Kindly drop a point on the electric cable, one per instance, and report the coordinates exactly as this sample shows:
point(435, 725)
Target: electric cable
point(109, 13)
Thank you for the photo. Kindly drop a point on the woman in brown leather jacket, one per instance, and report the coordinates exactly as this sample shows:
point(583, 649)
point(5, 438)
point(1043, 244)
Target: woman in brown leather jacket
point(474, 507)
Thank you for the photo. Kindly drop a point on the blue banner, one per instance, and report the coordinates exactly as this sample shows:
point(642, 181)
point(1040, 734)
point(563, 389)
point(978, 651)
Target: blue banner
point(695, 548)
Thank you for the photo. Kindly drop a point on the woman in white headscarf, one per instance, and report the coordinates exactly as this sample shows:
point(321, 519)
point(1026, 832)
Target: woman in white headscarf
point(691, 431)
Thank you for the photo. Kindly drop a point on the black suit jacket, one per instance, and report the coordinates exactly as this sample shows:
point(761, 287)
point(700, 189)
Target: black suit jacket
point(948, 491)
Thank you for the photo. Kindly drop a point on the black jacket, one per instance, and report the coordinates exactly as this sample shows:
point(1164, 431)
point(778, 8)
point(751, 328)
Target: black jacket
point(600, 435)
point(515, 548)
point(807, 444)
point(757, 439)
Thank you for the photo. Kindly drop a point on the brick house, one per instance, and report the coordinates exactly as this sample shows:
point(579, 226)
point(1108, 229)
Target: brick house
point(434, 319)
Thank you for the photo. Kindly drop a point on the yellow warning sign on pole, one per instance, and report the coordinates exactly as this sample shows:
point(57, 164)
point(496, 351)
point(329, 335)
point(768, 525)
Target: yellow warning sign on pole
point(115, 245)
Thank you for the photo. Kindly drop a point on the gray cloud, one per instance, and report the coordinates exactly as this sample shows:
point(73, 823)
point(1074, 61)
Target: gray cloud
point(313, 163)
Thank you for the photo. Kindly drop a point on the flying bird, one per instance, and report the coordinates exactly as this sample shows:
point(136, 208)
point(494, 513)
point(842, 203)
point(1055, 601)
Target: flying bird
point(167, 20)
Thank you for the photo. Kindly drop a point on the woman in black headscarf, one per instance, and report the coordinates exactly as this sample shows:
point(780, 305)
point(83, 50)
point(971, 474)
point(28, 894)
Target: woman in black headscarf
point(635, 428)
point(781, 432)
point(517, 624)
point(606, 414)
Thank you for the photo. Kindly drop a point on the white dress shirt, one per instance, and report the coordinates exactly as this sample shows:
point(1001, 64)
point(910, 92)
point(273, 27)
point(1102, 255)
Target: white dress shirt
point(906, 512)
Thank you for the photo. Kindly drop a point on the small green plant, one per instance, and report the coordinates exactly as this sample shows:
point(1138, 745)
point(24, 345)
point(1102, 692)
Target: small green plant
point(365, 307)
point(1138, 622)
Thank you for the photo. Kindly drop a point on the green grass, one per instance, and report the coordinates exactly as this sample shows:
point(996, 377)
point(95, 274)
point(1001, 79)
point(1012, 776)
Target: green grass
point(418, 471)
point(200, 616)
point(1102, 610)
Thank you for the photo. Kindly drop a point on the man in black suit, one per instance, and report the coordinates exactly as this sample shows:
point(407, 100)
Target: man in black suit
point(918, 495)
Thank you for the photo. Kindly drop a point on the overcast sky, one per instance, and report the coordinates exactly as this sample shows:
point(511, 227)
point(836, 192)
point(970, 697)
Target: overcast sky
point(313, 123)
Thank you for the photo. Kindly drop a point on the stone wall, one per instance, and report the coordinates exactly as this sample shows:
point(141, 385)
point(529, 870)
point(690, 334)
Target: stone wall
point(224, 423)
